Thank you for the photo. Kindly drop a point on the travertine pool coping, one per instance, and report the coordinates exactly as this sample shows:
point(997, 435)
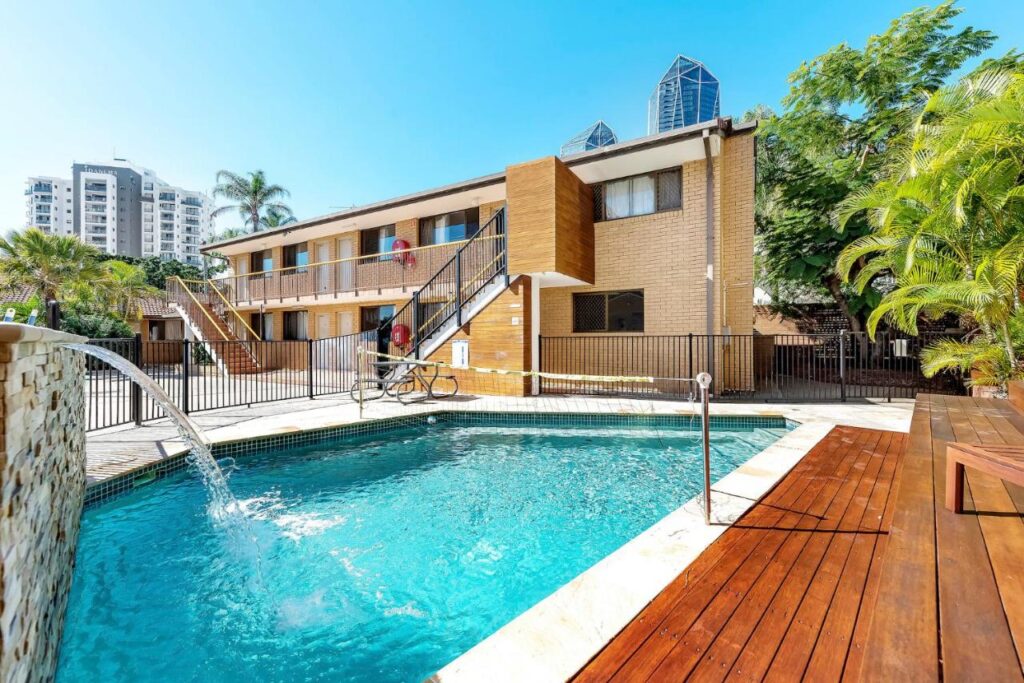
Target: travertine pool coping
point(555, 638)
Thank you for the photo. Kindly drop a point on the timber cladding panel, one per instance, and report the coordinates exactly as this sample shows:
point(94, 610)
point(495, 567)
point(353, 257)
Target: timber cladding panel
point(551, 228)
point(495, 342)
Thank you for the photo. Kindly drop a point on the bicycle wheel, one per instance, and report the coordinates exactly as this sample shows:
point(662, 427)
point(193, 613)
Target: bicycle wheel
point(449, 385)
point(371, 390)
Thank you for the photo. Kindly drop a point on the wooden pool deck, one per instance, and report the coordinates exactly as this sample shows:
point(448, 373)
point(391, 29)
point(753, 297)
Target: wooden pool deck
point(851, 568)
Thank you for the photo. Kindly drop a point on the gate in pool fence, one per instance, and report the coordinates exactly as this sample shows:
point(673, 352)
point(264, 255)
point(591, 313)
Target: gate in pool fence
point(201, 375)
point(780, 368)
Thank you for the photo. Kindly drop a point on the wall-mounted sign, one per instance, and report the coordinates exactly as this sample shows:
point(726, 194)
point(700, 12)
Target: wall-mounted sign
point(460, 353)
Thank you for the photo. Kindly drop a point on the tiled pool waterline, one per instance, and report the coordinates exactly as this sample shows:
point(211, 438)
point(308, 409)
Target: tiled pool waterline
point(388, 549)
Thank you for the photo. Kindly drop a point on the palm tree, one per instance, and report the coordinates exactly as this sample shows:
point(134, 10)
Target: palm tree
point(49, 265)
point(276, 218)
point(124, 287)
point(251, 196)
point(949, 225)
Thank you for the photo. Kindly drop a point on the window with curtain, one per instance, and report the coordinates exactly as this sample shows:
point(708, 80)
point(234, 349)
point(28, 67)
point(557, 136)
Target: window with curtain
point(263, 324)
point(638, 195)
point(370, 317)
point(376, 240)
point(449, 227)
point(295, 328)
point(261, 261)
point(296, 256)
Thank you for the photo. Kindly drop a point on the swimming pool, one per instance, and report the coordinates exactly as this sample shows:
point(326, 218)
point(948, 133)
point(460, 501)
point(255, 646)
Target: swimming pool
point(383, 556)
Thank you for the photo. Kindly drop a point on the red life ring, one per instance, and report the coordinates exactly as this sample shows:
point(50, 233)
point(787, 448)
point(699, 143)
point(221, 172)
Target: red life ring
point(405, 258)
point(400, 335)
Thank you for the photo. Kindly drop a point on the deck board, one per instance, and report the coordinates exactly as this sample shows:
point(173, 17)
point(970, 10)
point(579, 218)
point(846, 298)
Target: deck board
point(851, 568)
point(731, 620)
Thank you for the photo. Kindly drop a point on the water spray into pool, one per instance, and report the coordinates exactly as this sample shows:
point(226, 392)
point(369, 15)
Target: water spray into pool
point(222, 502)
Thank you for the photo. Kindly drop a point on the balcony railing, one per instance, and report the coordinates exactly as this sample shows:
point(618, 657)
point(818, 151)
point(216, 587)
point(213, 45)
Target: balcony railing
point(391, 270)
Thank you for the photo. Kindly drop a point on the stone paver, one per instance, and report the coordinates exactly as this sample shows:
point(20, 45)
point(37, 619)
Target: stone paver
point(118, 450)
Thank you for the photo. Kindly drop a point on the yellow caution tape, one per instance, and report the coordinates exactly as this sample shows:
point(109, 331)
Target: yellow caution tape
point(520, 373)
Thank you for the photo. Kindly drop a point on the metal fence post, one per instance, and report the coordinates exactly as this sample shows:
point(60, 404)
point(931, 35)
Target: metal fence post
point(458, 288)
point(689, 354)
point(186, 358)
point(309, 366)
point(414, 338)
point(136, 389)
point(842, 365)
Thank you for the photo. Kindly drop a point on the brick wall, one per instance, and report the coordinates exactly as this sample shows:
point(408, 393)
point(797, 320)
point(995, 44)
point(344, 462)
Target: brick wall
point(42, 484)
point(665, 255)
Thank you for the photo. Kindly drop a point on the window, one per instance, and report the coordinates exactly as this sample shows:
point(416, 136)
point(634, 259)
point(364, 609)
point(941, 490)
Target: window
point(263, 323)
point(261, 261)
point(449, 227)
point(376, 240)
point(608, 312)
point(295, 325)
point(370, 317)
point(297, 256)
point(638, 195)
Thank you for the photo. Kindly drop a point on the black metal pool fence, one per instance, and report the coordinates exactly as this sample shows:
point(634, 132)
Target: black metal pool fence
point(206, 375)
point(771, 367)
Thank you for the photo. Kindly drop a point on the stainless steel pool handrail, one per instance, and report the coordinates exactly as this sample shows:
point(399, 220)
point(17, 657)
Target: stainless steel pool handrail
point(704, 380)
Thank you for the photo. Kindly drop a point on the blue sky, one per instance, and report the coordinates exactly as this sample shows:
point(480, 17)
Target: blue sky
point(348, 103)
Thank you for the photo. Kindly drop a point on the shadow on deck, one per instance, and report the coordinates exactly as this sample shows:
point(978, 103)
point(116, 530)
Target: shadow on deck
point(852, 568)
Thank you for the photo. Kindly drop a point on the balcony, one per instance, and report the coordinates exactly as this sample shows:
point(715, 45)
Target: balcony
point(40, 187)
point(95, 187)
point(393, 270)
point(191, 201)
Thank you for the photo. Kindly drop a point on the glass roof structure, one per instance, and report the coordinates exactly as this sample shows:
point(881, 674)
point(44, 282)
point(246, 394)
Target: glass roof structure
point(687, 94)
point(596, 135)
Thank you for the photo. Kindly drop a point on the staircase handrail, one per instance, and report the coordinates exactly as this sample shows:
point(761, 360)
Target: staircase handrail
point(197, 304)
point(234, 311)
point(497, 221)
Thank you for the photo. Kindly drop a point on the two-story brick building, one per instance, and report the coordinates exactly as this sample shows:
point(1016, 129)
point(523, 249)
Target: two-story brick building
point(647, 238)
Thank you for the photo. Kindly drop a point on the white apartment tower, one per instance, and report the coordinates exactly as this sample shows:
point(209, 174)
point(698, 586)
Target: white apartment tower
point(122, 209)
point(50, 205)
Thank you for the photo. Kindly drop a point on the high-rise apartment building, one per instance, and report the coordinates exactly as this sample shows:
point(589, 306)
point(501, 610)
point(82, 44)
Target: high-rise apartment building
point(686, 95)
point(50, 205)
point(122, 209)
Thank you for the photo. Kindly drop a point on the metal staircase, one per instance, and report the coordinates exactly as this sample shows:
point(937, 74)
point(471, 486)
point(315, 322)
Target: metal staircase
point(216, 324)
point(465, 285)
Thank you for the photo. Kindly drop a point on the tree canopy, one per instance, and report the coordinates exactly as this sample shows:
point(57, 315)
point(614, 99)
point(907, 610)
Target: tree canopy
point(834, 137)
point(251, 196)
point(947, 222)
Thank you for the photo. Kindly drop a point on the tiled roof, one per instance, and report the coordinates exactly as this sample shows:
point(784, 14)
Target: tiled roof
point(152, 306)
point(156, 307)
point(17, 295)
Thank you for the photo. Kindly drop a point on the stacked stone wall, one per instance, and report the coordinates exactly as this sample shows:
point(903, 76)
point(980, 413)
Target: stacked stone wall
point(42, 486)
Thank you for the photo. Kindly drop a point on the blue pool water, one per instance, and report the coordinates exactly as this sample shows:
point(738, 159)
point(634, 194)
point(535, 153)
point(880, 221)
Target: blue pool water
point(382, 557)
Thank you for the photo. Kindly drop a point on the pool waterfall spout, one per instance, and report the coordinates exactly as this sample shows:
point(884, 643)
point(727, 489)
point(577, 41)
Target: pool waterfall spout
point(222, 500)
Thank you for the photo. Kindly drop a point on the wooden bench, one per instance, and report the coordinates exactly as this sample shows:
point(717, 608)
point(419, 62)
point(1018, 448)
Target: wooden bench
point(1005, 462)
